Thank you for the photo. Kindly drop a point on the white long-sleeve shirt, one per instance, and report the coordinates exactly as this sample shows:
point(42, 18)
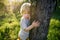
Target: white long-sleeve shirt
point(24, 23)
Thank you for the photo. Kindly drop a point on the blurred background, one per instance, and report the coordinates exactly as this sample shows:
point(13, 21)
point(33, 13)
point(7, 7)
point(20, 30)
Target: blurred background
point(10, 18)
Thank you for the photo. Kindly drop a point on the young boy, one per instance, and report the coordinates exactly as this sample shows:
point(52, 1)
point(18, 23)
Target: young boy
point(25, 20)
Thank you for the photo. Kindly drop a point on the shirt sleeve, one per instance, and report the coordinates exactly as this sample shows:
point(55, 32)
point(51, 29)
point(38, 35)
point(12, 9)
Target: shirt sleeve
point(23, 24)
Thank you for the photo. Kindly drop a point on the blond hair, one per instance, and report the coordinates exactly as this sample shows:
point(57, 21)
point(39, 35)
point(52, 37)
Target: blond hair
point(25, 6)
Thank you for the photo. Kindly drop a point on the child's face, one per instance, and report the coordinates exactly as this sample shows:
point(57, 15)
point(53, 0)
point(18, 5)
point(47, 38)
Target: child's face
point(27, 16)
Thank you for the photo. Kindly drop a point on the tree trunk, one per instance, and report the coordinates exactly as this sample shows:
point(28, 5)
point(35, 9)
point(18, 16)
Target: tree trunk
point(41, 10)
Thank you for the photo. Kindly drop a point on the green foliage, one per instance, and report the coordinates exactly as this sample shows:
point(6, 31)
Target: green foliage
point(1, 5)
point(54, 28)
point(9, 27)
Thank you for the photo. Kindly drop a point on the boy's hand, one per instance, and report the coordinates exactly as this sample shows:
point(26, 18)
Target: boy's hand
point(36, 23)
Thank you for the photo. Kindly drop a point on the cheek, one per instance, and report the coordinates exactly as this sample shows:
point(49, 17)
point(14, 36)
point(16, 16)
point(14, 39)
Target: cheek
point(26, 15)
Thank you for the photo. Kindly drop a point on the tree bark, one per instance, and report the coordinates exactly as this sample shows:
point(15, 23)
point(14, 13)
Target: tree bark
point(41, 10)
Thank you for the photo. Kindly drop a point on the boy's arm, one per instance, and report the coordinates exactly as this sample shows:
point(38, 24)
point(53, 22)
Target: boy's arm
point(34, 24)
point(24, 25)
point(28, 28)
